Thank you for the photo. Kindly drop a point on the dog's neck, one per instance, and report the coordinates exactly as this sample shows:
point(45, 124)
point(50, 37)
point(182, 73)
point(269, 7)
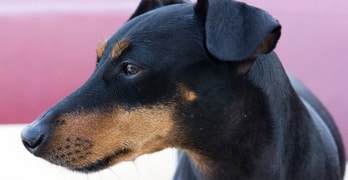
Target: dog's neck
point(237, 154)
point(286, 110)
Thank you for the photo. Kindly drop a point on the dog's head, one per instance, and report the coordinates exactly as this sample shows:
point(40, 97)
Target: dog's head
point(163, 78)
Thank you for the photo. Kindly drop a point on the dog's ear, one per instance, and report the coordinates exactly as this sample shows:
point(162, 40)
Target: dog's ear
point(236, 31)
point(148, 5)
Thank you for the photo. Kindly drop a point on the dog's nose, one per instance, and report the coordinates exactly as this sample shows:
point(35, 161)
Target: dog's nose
point(33, 138)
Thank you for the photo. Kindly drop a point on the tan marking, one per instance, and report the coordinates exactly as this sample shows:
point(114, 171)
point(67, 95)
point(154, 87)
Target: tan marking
point(142, 130)
point(119, 48)
point(203, 164)
point(101, 48)
point(186, 93)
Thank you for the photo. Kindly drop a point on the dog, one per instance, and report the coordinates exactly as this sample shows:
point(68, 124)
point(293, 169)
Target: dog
point(200, 77)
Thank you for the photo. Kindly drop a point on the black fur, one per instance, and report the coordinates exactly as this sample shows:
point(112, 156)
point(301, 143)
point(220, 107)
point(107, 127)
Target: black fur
point(248, 121)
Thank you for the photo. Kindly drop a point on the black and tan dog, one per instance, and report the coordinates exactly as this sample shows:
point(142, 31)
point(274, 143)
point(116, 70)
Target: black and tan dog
point(202, 78)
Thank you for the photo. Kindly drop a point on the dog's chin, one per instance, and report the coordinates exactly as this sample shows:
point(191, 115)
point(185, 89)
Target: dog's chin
point(103, 163)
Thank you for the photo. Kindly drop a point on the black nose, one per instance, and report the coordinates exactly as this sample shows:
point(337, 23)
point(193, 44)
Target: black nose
point(33, 138)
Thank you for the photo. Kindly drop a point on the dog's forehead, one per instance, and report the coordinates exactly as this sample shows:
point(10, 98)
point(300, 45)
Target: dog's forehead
point(170, 34)
point(158, 22)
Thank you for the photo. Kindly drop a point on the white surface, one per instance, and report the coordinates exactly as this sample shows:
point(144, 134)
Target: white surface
point(16, 163)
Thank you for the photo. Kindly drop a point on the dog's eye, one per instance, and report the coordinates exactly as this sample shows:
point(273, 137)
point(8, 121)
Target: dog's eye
point(130, 69)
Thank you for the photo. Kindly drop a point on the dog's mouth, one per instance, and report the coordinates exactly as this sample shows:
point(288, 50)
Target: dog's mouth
point(87, 161)
point(102, 163)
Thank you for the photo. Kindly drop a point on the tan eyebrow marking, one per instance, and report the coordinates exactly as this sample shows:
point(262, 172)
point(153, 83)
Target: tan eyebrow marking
point(100, 48)
point(119, 48)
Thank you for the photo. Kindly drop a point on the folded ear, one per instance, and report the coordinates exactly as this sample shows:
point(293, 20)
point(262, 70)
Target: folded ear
point(148, 5)
point(236, 31)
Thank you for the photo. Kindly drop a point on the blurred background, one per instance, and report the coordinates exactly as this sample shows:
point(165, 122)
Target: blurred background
point(47, 50)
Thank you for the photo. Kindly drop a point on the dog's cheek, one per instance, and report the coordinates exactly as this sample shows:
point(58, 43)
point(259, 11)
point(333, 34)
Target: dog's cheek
point(145, 129)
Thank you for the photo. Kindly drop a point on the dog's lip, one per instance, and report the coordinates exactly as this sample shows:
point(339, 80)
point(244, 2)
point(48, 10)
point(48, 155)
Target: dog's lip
point(102, 163)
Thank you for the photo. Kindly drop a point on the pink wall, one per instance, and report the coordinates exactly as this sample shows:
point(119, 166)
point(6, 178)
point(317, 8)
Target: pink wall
point(47, 49)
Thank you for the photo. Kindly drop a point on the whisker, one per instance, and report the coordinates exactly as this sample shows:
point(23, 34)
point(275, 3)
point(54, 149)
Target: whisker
point(114, 173)
point(136, 169)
